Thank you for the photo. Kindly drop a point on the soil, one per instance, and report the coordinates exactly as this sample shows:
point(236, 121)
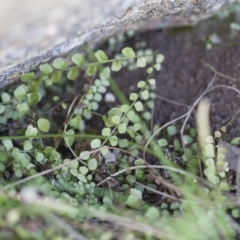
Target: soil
point(183, 77)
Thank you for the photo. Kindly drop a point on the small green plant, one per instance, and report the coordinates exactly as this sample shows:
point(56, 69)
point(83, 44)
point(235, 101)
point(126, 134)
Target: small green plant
point(91, 169)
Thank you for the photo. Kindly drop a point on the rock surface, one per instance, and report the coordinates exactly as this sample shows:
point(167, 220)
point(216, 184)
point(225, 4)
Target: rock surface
point(64, 29)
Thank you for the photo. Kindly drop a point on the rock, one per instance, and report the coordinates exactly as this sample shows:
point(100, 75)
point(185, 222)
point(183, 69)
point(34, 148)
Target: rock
point(232, 155)
point(51, 37)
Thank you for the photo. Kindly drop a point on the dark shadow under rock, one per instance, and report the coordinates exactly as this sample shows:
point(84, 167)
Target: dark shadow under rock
point(183, 77)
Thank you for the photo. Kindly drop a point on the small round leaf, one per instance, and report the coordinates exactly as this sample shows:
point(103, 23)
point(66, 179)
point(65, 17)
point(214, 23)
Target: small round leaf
point(152, 213)
point(7, 144)
point(130, 114)
point(101, 56)
point(31, 131)
point(95, 143)
point(141, 62)
point(138, 106)
point(33, 98)
point(92, 164)
point(137, 126)
point(5, 97)
point(84, 155)
point(69, 139)
point(157, 66)
point(122, 128)
point(133, 96)
point(116, 65)
point(56, 76)
point(116, 119)
point(91, 70)
point(124, 108)
point(43, 125)
point(235, 140)
point(187, 139)
point(162, 142)
point(106, 132)
point(128, 52)
point(141, 84)
point(2, 108)
point(73, 73)
point(39, 157)
point(159, 58)
point(46, 68)
point(20, 92)
point(149, 70)
point(84, 170)
point(59, 63)
point(104, 150)
point(78, 59)
point(145, 94)
point(22, 108)
point(113, 141)
point(82, 178)
point(27, 145)
point(171, 130)
point(123, 143)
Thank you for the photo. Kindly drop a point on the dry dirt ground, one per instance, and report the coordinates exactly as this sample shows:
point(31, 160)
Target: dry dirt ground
point(183, 77)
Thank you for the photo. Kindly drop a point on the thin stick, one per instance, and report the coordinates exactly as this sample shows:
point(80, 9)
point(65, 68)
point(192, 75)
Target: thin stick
point(171, 101)
point(218, 73)
point(234, 116)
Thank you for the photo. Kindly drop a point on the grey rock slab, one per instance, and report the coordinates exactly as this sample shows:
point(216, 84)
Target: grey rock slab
point(61, 31)
point(62, 20)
